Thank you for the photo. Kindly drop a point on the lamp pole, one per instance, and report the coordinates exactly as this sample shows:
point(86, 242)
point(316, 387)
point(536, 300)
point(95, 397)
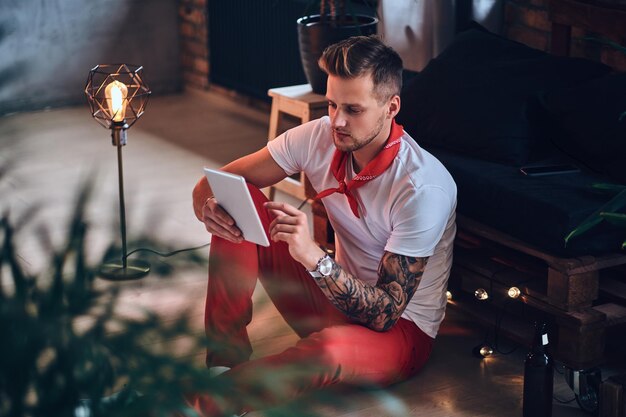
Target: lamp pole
point(132, 269)
point(126, 269)
point(118, 137)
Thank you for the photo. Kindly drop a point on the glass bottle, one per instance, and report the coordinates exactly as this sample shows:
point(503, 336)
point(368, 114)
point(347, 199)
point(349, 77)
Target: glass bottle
point(538, 376)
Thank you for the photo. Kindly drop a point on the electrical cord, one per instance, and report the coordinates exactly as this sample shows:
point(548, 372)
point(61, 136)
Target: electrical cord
point(176, 252)
point(500, 316)
point(563, 401)
point(497, 329)
point(166, 254)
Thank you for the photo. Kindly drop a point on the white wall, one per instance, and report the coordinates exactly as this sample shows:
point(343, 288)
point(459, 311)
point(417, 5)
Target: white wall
point(420, 29)
point(47, 47)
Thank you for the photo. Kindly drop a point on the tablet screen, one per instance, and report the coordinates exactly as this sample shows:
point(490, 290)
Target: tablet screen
point(231, 192)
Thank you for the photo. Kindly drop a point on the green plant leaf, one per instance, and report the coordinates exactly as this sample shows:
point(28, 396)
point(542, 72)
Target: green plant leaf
point(618, 219)
point(608, 188)
point(606, 42)
point(589, 223)
point(594, 219)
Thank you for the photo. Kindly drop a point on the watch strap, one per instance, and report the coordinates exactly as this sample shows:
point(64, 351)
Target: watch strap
point(315, 274)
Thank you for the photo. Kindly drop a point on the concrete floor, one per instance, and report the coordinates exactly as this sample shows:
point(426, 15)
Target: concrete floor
point(54, 151)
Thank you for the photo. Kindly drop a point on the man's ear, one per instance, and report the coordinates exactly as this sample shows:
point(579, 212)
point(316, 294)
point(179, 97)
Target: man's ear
point(393, 106)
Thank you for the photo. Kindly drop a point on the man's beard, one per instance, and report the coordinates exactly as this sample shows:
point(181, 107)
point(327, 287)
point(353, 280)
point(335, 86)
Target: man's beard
point(357, 144)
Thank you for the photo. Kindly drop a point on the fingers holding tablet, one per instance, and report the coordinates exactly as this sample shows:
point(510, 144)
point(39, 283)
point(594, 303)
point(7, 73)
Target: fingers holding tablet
point(236, 206)
point(218, 222)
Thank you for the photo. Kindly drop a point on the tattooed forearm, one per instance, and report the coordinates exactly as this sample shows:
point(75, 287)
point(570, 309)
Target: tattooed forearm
point(380, 306)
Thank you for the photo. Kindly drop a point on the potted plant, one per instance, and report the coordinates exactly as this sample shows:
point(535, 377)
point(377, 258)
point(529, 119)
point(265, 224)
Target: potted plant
point(612, 211)
point(337, 20)
point(609, 212)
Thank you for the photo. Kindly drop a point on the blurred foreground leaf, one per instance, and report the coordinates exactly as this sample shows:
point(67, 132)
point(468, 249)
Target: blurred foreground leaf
point(64, 340)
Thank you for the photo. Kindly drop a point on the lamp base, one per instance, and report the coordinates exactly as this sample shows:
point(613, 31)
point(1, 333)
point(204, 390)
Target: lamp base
point(114, 270)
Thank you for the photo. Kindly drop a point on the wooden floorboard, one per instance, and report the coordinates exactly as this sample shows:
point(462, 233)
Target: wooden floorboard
point(55, 151)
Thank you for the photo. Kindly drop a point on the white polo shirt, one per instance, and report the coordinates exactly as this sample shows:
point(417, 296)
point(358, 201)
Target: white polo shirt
point(408, 210)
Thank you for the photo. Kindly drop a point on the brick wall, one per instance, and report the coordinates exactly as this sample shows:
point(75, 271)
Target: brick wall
point(194, 43)
point(527, 21)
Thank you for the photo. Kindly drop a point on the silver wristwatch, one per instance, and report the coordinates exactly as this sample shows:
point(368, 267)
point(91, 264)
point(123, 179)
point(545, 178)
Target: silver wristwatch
point(323, 268)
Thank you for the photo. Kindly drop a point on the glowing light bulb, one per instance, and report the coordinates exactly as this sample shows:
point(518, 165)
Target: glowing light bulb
point(116, 93)
point(514, 292)
point(485, 351)
point(481, 294)
point(482, 351)
point(448, 295)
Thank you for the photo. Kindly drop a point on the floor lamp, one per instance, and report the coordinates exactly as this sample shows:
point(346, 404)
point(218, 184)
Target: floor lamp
point(117, 96)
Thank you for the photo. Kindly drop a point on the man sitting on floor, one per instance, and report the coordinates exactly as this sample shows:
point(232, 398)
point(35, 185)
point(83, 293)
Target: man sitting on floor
point(370, 315)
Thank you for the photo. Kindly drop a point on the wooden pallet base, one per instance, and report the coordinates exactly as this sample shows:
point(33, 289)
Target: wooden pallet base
point(563, 292)
point(576, 347)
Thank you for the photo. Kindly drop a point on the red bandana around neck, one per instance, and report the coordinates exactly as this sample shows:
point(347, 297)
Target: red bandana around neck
point(373, 169)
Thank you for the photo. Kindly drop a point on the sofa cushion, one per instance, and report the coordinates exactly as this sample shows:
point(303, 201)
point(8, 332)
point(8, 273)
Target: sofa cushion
point(586, 124)
point(540, 210)
point(472, 97)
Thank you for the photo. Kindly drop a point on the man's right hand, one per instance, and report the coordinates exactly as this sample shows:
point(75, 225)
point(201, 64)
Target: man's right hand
point(218, 222)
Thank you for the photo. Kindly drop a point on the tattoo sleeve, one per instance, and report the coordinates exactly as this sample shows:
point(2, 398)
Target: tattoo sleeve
point(380, 306)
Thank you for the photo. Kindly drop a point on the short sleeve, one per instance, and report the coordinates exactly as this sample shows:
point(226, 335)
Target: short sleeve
point(292, 149)
point(419, 221)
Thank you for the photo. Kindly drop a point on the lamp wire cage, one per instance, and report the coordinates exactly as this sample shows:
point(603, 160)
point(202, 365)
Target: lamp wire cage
point(118, 111)
point(135, 100)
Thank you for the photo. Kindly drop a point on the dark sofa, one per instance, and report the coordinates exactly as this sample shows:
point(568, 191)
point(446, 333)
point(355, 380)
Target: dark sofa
point(488, 105)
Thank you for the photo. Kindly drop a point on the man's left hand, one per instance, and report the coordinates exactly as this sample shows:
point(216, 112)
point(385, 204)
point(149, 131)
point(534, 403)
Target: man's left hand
point(291, 226)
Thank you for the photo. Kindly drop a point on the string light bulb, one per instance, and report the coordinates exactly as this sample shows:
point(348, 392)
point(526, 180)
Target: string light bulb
point(481, 294)
point(448, 295)
point(482, 351)
point(514, 292)
point(485, 351)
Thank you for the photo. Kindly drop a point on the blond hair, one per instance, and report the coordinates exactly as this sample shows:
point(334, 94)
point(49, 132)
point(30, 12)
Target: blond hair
point(362, 55)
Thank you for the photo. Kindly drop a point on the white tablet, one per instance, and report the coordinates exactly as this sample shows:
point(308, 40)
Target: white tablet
point(231, 192)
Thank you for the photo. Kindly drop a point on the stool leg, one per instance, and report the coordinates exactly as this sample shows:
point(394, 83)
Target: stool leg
point(272, 133)
point(274, 116)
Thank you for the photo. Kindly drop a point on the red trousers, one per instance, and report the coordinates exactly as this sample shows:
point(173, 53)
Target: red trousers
point(332, 348)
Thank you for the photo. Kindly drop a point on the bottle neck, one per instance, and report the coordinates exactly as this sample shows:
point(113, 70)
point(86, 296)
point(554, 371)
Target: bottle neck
point(540, 340)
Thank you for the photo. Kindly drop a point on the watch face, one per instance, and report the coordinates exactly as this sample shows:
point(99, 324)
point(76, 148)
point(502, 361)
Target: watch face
point(326, 265)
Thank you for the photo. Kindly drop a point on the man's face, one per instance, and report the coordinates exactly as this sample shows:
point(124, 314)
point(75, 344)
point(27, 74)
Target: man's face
point(357, 118)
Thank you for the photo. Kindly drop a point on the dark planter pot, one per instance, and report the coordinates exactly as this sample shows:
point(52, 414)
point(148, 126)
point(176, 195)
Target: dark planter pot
point(314, 36)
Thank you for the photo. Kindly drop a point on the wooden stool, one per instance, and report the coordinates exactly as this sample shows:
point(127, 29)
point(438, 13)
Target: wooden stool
point(298, 101)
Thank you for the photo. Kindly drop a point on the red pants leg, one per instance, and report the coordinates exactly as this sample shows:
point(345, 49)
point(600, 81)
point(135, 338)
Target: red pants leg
point(349, 354)
point(233, 271)
point(332, 348)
